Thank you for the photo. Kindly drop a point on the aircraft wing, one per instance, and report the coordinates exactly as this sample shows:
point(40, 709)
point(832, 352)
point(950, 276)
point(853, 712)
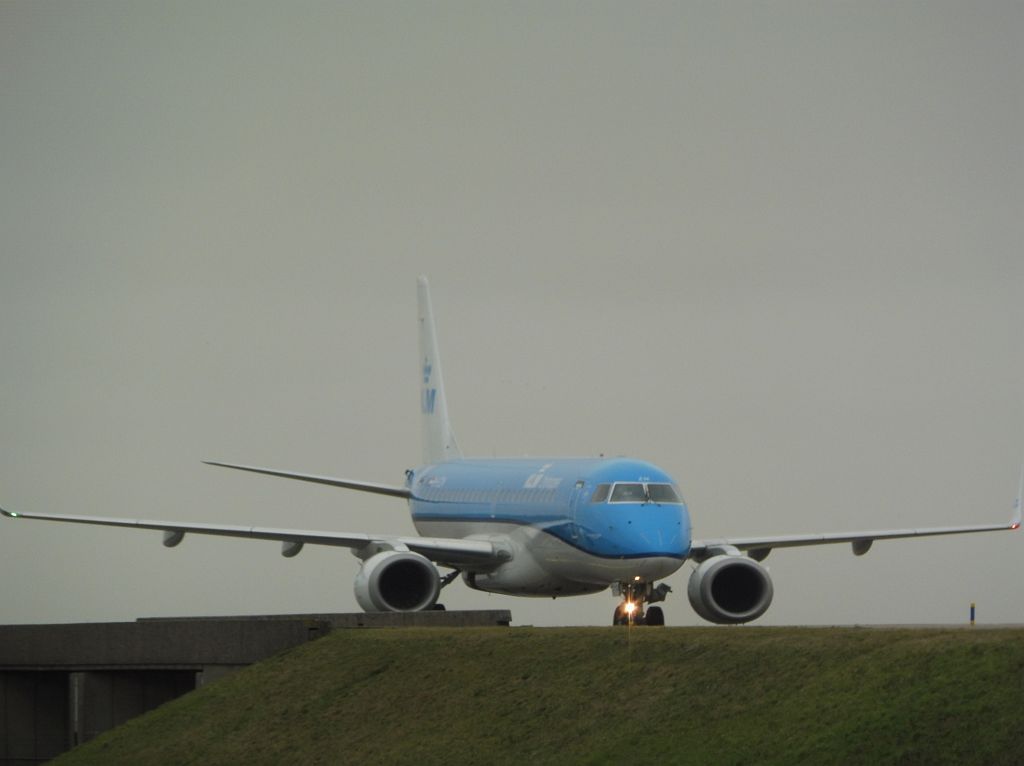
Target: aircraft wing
point(760, 547)
point(445, 551)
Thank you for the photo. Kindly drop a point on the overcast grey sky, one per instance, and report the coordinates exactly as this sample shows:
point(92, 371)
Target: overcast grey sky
point(773, 248)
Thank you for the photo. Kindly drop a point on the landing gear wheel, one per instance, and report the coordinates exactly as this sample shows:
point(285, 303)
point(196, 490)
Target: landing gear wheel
point(438, 607)
point(619, 616)
point(654, 616)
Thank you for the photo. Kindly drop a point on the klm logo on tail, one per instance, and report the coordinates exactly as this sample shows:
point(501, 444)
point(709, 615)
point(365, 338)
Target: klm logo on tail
point(429, 394)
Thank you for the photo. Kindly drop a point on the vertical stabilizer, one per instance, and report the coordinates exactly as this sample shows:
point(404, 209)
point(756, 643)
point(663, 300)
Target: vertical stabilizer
point(438, 437)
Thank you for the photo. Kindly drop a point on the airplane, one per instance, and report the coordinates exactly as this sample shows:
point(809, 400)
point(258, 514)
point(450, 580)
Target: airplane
point(542, 527)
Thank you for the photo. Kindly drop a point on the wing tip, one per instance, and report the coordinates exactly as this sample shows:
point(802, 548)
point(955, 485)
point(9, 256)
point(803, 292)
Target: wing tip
point(10, 514)
point(1015, 521)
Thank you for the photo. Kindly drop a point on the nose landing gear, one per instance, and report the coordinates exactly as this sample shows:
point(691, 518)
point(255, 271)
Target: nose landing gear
point(634, 595)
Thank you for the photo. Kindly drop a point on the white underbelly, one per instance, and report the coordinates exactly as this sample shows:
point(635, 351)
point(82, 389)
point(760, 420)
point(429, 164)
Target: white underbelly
point(544, 565)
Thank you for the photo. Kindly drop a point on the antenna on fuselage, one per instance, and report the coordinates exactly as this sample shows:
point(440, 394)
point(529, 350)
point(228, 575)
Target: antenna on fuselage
point(438, 437)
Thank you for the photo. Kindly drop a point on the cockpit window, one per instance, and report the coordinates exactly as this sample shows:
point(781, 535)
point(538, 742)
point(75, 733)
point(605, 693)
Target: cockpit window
point(662, 493)
point(601, 493)
point(629, 493)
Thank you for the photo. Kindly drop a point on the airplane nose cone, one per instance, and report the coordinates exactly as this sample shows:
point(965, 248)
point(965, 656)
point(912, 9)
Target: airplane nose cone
point(640, 531)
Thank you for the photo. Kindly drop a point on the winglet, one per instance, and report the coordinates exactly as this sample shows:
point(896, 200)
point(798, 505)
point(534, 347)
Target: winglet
point(1015, 521)
point(9, 514)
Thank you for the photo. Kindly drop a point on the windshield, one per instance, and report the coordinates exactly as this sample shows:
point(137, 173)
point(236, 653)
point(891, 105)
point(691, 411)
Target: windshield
point(663, 493)
point(629, 493)
point(636, 492)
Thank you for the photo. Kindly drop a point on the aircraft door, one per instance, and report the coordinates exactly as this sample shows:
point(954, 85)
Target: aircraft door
point(575, 502)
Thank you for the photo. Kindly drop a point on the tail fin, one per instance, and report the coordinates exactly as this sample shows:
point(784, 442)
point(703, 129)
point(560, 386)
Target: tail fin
point(438, 438)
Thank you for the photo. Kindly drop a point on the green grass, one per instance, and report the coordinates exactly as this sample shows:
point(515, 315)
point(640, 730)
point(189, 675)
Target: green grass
point(601, 695)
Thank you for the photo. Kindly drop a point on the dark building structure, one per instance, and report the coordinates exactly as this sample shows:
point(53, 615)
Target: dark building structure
point(61, 685)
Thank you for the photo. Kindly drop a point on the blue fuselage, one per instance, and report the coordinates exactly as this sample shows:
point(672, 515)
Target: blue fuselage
point(622, 518)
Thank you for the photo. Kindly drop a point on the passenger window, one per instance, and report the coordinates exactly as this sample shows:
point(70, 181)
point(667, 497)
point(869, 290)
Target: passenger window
point(628, 493)
point(601, 493)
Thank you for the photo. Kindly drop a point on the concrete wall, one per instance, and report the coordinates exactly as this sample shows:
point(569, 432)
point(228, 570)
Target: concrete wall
point(61, 685)
point(33, 716)
point(431, 619)
point(153, 644)
point(104, 699)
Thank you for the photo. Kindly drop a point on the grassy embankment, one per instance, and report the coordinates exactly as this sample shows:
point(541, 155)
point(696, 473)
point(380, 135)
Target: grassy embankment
point(602, 695)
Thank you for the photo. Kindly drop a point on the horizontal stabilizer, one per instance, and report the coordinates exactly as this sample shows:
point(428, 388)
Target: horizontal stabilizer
point(361, 486)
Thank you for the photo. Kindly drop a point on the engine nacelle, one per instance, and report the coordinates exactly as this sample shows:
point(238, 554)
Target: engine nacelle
point(397, 581)
point(730, 589)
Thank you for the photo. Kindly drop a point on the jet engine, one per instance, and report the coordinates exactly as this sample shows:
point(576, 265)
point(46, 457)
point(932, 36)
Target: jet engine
point(397, 581)
point(729, 589)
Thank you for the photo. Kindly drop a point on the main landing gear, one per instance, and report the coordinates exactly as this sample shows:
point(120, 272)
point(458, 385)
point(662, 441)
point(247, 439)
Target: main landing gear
point(634, 595)
point(445, 581)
